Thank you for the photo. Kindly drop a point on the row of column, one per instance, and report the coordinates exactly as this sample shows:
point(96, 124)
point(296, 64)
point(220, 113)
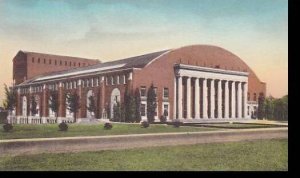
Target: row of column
point(234, 95)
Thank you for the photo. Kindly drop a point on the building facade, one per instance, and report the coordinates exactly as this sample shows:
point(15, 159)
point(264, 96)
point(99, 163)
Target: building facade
point(197, 83)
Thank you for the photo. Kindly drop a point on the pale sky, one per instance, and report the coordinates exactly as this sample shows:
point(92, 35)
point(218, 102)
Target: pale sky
point(254, 30)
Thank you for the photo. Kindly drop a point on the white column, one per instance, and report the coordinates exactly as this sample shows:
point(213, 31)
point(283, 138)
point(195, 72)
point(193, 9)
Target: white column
point(245, 99)
point(212, 98)
point(179, 97)
point(226, 103)
point(220, 99)
point(239, 100)
point(188, 98)
point(233, 100)
point(174, 100)
point(204, 90)
point(197, 99)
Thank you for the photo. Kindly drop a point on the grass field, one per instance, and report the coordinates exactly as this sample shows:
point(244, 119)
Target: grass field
point(51, 130)
point(261, 155)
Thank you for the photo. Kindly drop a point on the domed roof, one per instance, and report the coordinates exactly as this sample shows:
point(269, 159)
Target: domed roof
point(208, 56)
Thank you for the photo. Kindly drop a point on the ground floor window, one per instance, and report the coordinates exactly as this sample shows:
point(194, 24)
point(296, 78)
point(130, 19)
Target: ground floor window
point(166, 108)
point(143, 110)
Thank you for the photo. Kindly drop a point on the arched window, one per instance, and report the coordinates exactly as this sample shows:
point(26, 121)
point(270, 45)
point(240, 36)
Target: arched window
point(254, 97)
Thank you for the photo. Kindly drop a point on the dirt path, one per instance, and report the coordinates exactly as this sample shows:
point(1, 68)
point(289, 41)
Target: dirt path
point(95, 143)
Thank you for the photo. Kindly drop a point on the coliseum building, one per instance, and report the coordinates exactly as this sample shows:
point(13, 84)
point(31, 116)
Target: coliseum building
point(198, 83)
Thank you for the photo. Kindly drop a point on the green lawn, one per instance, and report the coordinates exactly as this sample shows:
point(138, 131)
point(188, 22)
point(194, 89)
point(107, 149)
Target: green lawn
point(51, 130)
point(261, 155)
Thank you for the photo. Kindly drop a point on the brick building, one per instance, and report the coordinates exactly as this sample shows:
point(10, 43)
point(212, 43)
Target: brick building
point(195, 83)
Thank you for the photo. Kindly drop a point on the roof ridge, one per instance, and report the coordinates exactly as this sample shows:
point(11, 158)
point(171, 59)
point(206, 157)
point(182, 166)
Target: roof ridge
point(32, 52)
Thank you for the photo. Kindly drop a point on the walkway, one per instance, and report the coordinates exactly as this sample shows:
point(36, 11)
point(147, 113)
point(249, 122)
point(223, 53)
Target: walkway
point(95, 143)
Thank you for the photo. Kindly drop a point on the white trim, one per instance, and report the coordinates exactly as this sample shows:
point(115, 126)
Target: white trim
point(212, 70)
point(72, 77)
point(81, 72)
point(167, 51)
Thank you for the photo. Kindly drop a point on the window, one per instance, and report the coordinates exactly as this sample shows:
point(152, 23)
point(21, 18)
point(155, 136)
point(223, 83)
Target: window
point(87, 82)
point(166, 93)
point(55, 62)
point(248, 96)
point(60, 62)
point(70, 64)
point(66, 63)
point(143, 91)
point(122, 79)
point(44, 61)
point(33, 60)
point(49, 61)
point(116, 82)
point(254, 97)
point(143, 109)
point(166, 108)
point(92, 82)
point(39, 60)
point(79, 64)
point(75, 84)
point(112, 82)
point(97, 81)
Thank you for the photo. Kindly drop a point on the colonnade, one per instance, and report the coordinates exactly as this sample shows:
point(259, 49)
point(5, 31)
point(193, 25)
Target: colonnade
point(209, 98)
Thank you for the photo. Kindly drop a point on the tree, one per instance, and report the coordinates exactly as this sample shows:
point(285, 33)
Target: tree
point(92, 105)
point(33, 105)
point(269, 107)
point(10, 99)
point(73, 103)
point(129, 106)
point(117, 112)
point(276, 108)
point(285, 108)
point(137, 105)
point(260, 109)
point(54, 104)
point(151, 104)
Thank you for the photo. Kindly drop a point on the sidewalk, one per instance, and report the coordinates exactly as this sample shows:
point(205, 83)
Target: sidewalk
point(96, 143)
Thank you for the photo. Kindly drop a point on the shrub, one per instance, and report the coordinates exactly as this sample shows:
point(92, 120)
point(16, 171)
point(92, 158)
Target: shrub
point(177, 124)
point(63, 126)
point(144, 124)
point(107, 125)
point(7, 127)
point(163, 118)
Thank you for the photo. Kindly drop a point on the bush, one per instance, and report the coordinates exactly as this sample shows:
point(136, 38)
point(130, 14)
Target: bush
point(7, 127)
point(107, 125)
point(3, 116)
point(163, 119)
point(177, 124)
point(63, 126)
point(144, 124)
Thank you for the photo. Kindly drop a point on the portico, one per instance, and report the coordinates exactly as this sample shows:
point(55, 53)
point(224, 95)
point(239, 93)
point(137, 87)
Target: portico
point(203, 93)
